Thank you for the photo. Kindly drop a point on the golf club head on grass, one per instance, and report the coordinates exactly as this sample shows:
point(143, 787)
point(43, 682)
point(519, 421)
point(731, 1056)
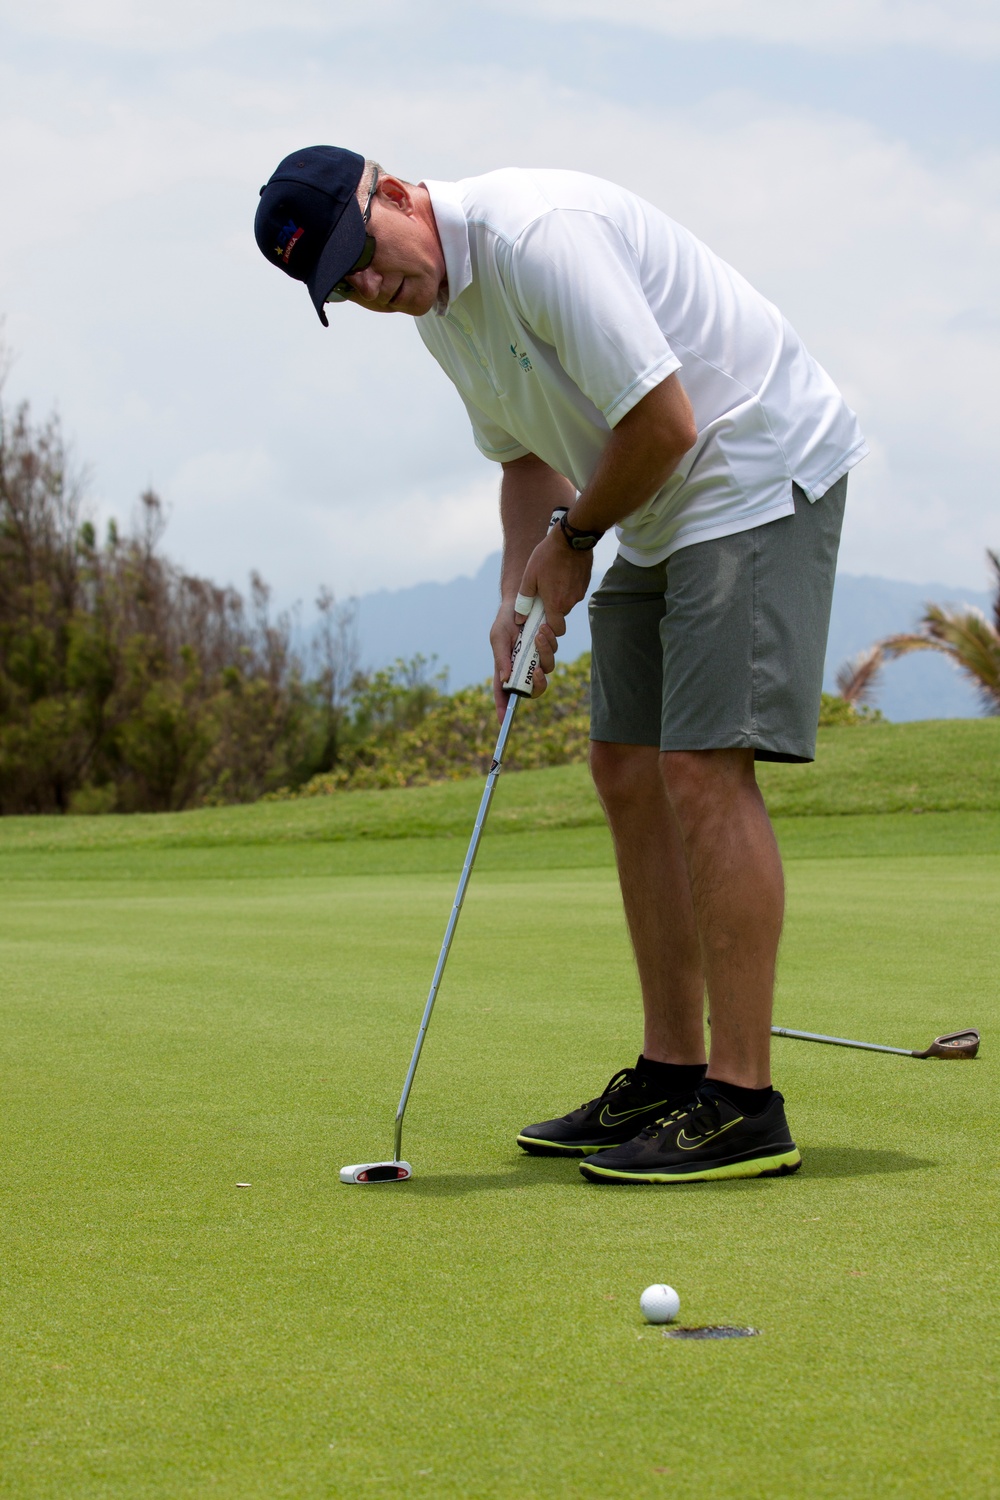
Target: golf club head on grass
point(367, 1172)
point(953, 1044)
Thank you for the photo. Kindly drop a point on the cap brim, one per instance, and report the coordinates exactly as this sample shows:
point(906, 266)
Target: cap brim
point(341, 251)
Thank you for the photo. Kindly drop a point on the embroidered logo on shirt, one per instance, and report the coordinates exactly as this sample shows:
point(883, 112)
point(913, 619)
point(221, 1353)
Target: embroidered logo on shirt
point(521, 358)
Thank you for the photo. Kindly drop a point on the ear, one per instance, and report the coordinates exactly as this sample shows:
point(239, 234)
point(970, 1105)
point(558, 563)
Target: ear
point(397, 193)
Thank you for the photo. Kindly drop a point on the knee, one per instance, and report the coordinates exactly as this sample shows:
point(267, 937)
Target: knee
point(624, 774)
point(700, 782)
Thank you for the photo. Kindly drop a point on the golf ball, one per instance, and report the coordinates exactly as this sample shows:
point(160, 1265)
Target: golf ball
point(659, 1303)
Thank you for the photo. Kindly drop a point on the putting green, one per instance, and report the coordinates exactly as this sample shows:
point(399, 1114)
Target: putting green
point(180, 1021)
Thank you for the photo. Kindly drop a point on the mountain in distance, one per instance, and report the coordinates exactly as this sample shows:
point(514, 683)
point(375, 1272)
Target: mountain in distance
point(451, 621)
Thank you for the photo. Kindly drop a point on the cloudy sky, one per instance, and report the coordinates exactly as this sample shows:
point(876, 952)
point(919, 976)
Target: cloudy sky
point(845, 157)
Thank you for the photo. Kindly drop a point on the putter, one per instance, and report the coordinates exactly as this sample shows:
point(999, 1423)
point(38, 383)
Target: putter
point(952, 1044)
point(522, 673)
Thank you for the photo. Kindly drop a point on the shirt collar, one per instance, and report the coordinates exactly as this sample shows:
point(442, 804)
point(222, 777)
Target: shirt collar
point(446, 203)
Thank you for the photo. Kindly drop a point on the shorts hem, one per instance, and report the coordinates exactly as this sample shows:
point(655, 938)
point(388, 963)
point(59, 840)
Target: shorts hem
point(800, 756)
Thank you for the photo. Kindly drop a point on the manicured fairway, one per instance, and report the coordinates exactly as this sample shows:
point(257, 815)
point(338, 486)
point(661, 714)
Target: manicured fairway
point(178, 1021)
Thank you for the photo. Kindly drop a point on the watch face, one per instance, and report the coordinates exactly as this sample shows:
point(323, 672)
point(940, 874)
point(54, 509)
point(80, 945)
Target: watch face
point(583, 543)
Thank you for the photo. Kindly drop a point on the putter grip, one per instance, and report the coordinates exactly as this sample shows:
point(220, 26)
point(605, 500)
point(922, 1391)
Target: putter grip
point(525, 658)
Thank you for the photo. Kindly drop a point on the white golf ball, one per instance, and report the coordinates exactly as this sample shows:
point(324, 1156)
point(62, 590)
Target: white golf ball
point(659, 1303)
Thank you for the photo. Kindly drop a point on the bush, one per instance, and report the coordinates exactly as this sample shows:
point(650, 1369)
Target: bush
point(405, 731)
point(837, 710)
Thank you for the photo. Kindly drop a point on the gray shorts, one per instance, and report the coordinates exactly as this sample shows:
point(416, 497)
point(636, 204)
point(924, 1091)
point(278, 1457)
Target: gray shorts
point(722, 646)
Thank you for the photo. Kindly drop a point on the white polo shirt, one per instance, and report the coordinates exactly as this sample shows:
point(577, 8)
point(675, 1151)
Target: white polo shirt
point(570, 298)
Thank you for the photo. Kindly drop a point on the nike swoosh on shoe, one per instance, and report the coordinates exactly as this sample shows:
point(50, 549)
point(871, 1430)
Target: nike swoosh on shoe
point(689, 1143)
point(610, 1120)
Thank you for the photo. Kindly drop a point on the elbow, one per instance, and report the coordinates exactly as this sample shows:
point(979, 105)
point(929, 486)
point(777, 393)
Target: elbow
point(674, 444)
point(685, 438)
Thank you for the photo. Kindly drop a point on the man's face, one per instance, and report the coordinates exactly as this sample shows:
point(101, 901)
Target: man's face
point(408, 270)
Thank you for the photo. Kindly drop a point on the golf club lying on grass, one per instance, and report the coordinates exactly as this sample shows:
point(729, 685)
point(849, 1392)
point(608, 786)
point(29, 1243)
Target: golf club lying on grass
point(522, 672)
point(952, 1044)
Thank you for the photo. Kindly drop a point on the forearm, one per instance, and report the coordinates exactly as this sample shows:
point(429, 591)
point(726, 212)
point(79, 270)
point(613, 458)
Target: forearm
point(639, 457)
point(529, 493)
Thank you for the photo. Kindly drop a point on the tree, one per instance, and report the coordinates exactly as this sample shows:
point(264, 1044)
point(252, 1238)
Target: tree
point(46, 740)
point(969, 640)
point(127, 683)
point(335, 662)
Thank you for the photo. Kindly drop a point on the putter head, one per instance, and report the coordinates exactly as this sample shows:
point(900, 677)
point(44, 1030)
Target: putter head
point(376, 1171)
point(954, 1044)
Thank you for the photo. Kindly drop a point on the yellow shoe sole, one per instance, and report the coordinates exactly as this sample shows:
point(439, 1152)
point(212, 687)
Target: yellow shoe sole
point(760, 1166)
point(536, 1147)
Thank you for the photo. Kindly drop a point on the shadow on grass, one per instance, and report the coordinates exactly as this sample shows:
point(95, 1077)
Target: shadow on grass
point(529, 1172)
point(859, 1161)
point(534, 1172)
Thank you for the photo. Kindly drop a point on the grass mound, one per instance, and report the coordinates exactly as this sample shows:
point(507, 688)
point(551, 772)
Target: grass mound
point(947, 765)
point(944, 765)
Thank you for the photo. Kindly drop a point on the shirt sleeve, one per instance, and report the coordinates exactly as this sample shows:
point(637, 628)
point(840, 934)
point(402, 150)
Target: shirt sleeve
point(491, 439)
point(575, 279)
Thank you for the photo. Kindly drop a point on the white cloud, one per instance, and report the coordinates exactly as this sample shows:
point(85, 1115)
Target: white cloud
point(238, 505)
point(150, 26)
point(966, 26)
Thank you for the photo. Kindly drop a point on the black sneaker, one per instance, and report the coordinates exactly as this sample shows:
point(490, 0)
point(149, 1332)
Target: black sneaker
point(629, 1103)
point(705, 1138)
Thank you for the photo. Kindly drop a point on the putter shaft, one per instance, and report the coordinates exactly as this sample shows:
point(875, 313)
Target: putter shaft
point(463, 881)
point(954, 1044)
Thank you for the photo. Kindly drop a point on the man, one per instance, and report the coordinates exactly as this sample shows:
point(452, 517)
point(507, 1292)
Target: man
point(613, 365)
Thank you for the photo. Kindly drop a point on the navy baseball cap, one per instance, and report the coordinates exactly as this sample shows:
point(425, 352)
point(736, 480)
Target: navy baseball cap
point(309, 221)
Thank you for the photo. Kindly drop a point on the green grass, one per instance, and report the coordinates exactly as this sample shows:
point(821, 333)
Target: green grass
point(946, 766)
point(231, 996)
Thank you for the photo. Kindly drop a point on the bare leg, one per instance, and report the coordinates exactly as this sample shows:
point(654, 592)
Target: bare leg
point(656, 892)
point(738, 893)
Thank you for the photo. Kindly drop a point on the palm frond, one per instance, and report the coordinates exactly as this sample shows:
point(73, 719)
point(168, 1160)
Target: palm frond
point(966, 637)
point(995, 563)
point(858, 677)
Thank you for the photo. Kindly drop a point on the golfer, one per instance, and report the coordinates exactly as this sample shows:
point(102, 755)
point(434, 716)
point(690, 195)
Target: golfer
point(613, 365)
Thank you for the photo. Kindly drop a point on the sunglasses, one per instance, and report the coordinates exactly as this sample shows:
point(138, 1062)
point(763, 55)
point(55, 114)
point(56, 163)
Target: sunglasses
point(343, 289)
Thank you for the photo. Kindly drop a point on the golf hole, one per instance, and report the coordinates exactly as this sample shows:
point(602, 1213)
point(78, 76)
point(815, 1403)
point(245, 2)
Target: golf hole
point(711, 1331)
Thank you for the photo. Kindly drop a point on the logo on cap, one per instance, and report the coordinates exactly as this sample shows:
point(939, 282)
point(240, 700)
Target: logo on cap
point(288, 238)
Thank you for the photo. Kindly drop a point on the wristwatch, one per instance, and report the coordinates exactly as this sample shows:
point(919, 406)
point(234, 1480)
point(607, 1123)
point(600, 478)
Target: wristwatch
point(580, 541)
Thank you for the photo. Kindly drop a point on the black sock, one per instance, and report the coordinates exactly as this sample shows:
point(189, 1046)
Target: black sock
point(672, 1078)
point(747, 1101)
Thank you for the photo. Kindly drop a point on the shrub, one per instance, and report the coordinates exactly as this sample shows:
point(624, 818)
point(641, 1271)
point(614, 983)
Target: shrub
point(421, 734)
point(834, 709)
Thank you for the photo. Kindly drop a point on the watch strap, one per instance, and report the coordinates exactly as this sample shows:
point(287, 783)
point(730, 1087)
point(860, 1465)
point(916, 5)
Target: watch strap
point(578, 539)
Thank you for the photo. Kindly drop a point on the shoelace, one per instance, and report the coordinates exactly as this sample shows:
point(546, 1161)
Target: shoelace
point(622, 1080)
point(702, 1111)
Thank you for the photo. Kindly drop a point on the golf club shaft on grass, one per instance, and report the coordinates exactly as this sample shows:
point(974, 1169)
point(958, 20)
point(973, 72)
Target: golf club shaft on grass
point(523, 664)
point(837, 1041)
point(957, 1044)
